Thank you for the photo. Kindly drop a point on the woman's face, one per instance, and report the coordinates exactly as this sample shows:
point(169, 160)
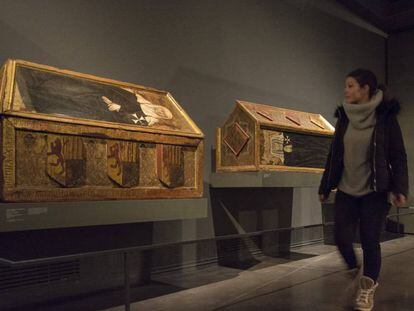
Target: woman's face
point(354, 93)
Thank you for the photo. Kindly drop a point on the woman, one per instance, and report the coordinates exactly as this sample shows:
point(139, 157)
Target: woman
point(367, 160)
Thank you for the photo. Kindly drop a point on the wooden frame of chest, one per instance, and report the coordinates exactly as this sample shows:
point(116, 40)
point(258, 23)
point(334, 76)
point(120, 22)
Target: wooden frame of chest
point(56, 147)
point(260, 137)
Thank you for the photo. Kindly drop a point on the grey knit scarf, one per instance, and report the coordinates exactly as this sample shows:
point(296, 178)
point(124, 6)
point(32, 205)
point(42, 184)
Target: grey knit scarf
point(357, 167)
point(362, 116)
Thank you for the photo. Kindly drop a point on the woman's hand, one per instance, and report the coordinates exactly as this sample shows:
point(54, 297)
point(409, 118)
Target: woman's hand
point(398, 199)
point(323, 198)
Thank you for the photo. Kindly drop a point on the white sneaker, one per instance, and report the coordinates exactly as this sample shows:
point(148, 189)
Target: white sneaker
point(365, 295)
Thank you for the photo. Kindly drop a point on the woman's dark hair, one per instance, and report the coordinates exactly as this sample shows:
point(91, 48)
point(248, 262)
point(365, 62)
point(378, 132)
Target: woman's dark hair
point(365, 77)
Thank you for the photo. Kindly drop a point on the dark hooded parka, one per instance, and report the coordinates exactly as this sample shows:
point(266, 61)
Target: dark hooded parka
point(388, 158)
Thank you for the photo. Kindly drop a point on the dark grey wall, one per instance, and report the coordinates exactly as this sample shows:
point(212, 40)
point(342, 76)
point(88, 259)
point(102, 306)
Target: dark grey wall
point(206, 53)
point(401, 81)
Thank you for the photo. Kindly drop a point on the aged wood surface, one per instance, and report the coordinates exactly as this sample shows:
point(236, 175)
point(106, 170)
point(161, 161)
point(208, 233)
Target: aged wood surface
point(218, 149)
point(123, 162)
point(170, 165)
point(53, 158)
point(283, 140)
point(246, 154)
point(93, 193)
point(9, 154)
point(3, 77)
point(96, 131)
point(236, 138)
point(287, 119)
point(178, 122)
point(69, 161)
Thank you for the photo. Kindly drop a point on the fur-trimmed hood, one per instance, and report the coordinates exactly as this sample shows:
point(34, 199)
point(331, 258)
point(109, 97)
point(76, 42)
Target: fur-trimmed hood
point(391, 106)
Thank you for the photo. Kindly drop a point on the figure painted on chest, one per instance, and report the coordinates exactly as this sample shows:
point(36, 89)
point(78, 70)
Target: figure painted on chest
point(144, 113)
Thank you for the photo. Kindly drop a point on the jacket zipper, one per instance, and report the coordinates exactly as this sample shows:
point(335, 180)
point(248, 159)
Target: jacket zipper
point(375, 155)
point(332, 147)
point(330, 162)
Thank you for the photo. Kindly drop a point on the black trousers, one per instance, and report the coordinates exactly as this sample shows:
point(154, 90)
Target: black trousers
point(369, 211)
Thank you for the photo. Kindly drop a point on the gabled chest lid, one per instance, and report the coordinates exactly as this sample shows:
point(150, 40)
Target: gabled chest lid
point(43, 92)
point(281, 118)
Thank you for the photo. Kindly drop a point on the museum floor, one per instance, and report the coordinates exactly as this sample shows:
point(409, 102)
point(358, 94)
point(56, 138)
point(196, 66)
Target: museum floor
point(313, 278)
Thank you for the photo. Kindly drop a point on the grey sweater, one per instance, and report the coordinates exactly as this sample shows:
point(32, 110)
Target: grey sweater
point(356, 176)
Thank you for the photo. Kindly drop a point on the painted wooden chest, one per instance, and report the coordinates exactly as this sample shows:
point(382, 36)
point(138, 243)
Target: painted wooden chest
point(69, 136)
point(260, 137)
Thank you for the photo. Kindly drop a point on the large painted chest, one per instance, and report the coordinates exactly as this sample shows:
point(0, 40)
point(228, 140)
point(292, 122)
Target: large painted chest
point(69, 136)
point(260, 137)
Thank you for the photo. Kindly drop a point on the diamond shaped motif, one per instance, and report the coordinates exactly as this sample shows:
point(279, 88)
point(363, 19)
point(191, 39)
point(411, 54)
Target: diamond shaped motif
point(236, 138)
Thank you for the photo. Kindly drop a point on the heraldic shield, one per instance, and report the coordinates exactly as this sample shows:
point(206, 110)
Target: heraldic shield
point(170, 165)
point(123, 163)
point(66, 163)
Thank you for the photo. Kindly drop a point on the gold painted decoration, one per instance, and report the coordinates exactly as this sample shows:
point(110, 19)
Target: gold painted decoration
point(276, 145)
point(35, 145)
point(170, 164)
point(291, 117)
point(47, 91)
point(66, 163)
point(70, 136)
point(236, 138)
point(265, 114)
point(96, 166)
point(287, 144)
point(8, 144)
point(316, 122)
point(3, 78)
point(274, 138)
point(123, 163)
point(298, 121)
